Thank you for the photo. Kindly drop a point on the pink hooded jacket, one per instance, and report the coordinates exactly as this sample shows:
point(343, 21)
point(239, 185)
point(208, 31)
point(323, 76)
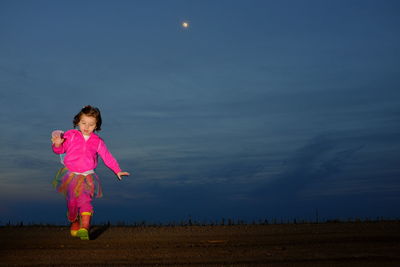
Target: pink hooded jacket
point(81, 155)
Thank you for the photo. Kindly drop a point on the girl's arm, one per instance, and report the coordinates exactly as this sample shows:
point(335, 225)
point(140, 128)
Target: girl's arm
point(109, 160)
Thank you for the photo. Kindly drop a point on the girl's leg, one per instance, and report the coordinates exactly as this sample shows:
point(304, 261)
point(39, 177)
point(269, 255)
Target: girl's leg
point(73, 208)
point(86, 211)
point(72, 214)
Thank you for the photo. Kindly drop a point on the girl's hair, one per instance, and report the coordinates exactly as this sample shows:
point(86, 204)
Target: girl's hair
point(89, 111)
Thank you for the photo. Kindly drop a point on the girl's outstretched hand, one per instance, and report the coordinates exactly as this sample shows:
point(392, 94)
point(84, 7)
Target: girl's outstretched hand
point(120, 174)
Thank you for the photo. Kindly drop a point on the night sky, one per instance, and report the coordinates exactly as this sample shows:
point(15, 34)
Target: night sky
point(257, 110)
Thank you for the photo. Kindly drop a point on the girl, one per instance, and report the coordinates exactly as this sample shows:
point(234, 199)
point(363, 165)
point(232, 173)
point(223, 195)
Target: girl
point(77, 179)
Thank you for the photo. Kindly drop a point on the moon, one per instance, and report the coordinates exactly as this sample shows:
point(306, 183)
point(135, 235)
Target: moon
point(185, 24)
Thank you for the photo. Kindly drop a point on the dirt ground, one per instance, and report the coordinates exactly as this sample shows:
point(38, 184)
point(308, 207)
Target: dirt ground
point(326, 244)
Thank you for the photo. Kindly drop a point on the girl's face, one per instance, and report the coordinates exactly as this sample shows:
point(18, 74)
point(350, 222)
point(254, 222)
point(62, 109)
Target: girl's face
point(87, 124)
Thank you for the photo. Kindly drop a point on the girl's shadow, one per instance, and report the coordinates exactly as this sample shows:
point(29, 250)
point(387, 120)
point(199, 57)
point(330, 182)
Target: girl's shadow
point(97, 231)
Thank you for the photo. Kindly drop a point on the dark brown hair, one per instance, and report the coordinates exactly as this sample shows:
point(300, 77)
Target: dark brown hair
point(89, 111)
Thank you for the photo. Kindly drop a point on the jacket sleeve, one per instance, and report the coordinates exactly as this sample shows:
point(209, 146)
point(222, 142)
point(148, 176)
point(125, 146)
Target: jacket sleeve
point(107, 157)
point(58, 150)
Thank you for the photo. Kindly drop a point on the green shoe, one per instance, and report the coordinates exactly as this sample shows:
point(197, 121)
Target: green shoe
point(83, 234)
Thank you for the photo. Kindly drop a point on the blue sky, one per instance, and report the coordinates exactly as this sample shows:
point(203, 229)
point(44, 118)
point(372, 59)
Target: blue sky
point(260, 109)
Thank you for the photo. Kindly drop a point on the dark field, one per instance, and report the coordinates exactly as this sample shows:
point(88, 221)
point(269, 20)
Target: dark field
point(327, 244)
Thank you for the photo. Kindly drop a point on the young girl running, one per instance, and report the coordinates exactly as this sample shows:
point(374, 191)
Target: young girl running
point(77, 179)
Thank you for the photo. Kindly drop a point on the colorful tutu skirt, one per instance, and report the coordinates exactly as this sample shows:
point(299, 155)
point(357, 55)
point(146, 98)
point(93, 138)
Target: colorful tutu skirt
point(67, 181)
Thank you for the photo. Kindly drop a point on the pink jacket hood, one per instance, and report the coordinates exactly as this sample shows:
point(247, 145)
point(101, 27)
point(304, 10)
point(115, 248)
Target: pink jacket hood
point(81, 155)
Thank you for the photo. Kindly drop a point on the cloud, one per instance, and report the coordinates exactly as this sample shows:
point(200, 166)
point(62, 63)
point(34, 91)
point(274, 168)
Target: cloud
point(323, 157)
point(334, 164)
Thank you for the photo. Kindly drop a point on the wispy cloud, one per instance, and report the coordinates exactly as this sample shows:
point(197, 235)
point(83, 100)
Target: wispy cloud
point(326, 166)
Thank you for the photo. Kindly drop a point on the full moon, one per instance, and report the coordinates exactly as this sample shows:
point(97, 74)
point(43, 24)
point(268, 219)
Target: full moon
point(185, 24)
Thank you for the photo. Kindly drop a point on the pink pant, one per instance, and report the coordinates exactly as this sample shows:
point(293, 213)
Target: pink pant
point(78, 204)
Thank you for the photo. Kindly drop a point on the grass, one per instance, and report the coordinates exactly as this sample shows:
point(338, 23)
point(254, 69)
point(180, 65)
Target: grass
point(221, 222)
